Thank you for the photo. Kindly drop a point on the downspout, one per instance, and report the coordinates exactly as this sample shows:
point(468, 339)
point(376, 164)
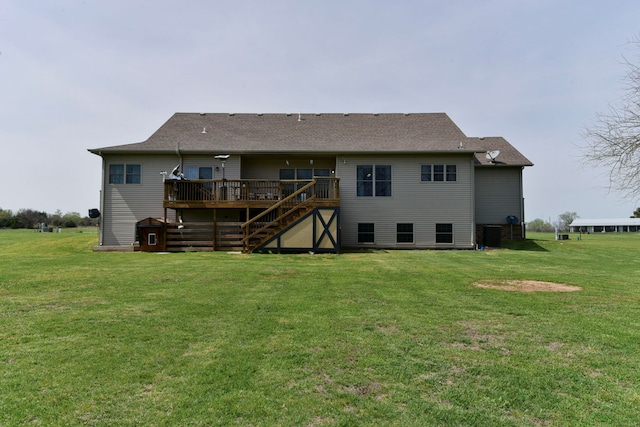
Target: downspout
point(101, 228)
point(522, 221)
point(473, 202)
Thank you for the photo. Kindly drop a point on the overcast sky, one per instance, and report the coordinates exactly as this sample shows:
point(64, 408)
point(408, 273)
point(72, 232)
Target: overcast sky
point(80, 74)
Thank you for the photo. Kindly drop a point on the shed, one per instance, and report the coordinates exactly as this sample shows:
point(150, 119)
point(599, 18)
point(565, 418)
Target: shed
point(150, 232)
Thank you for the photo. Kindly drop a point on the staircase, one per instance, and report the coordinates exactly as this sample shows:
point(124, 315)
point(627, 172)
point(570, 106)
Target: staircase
point(266, 225)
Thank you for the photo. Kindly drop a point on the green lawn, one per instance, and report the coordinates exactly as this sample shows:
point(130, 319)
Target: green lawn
point(363, 338)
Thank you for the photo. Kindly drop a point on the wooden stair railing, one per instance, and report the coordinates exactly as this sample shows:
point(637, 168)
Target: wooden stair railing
point(274, 218)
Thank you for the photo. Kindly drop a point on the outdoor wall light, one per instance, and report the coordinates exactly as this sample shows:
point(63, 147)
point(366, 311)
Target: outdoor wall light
point(223, 158)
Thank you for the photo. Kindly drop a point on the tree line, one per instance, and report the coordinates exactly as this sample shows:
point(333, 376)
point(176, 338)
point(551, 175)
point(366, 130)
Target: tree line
point(29, 218)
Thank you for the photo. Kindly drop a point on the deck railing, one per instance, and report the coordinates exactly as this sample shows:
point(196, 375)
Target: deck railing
point(232, 190)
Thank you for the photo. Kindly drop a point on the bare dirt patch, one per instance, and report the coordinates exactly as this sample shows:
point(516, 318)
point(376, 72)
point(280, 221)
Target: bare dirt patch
point(526, 286)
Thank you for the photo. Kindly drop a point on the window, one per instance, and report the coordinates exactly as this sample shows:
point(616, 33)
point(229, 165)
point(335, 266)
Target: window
point(372, 180)
point(366, 233)
point(194, 172)
point(364, 181)
point(452, 174)
point(151, 239)
point(116, 174)
point(287, 174)
point(304, 173)
point(125, 174)
point(383, 181)
point(404, 233)
point(133, 174)
point(438, 173)
point(444, 233)
point(425, 173)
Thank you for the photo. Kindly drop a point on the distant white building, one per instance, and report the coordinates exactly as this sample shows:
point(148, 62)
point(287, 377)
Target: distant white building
point(608, 225)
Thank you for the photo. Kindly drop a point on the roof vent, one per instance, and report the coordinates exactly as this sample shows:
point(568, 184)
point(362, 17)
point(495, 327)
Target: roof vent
point(345, 114)
point(318, 114)
point(406, 114)
point(204, 130)
point(232, 114)
point(259, 114)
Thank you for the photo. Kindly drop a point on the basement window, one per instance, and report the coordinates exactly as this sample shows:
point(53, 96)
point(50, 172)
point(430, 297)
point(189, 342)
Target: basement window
point(444, 233)
point(366, 232)
point(404, 233)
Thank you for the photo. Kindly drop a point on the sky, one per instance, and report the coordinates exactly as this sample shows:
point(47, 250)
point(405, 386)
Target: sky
point(80, 74)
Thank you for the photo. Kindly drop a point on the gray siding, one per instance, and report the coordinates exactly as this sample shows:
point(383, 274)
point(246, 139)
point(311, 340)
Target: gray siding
point(421, 203)
point(498, 194)
point(125, 204)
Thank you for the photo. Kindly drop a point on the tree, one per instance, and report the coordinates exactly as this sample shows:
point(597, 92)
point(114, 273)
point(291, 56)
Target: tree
point(28, 218)
point(71, 219)
point(539, 224)
point(56, 218)
point(7, 220)
point(565, 219)
point(614, 140)
point(636, 213)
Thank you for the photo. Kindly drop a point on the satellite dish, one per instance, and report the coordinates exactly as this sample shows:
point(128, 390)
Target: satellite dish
point(492, 155)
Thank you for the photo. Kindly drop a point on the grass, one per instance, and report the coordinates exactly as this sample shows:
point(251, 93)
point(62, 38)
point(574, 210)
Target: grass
point(362, 338)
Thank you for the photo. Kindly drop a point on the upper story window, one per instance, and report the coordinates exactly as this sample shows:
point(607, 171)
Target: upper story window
point(125, 174)
point(304, 173)
point(373, 180)
point(195, 172)
point(438, 173)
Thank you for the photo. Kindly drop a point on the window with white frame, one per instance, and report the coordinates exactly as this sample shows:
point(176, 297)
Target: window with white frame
point(125, 173)
point(366, 232)
point(438, 173)
point(404, 233)
point(195, 172)
point(373, 180)
point(444, 233)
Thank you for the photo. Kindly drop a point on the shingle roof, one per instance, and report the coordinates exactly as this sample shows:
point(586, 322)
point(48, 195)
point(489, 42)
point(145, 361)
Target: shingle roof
point(508, 156)
point(580, 222)
point(307, 133)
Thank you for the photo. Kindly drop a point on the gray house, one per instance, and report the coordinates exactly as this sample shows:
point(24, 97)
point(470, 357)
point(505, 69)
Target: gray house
point(299, 182)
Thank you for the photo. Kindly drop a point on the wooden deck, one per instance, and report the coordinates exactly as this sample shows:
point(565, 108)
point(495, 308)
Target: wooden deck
point(270, 207)
point(259, 194)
